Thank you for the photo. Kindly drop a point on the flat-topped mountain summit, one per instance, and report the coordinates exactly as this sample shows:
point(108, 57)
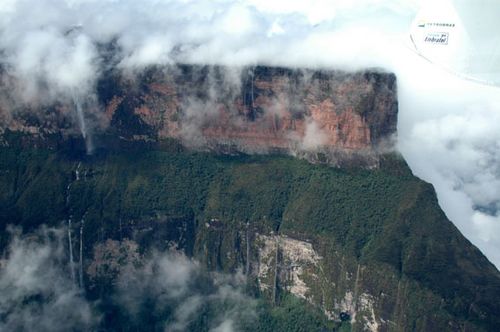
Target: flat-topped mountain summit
point(194, 159)
point(344, 116)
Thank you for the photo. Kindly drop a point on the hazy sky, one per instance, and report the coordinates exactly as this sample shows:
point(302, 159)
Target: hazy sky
point(449, 129)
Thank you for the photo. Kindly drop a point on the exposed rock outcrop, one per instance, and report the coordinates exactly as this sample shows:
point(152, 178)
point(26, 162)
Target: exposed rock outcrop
point(255, 110)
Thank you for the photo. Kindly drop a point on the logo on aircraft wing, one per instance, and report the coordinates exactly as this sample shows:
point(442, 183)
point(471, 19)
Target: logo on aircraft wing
point(440, 38)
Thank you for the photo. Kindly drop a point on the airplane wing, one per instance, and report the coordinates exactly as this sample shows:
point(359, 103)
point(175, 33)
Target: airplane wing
point(461, 36)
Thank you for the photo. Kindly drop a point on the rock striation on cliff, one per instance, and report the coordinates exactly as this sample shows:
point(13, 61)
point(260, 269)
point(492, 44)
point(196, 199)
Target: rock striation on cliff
point(324, 115)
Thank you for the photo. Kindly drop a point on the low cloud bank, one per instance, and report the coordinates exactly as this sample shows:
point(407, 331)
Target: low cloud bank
point(162, 290)
point(37, 292)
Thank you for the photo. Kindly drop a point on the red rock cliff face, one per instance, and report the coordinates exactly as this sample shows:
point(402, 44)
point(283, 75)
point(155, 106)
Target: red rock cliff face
point(259, 108)
point(255, 109)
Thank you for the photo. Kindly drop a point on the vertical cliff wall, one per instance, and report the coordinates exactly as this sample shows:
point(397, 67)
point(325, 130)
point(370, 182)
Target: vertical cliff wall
point(345, 116)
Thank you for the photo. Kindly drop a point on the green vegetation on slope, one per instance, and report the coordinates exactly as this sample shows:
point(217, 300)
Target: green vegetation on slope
point(382, 217)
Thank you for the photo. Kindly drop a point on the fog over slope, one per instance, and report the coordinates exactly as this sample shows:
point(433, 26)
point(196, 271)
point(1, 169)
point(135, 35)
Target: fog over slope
point(448, 128)
point(39, 295)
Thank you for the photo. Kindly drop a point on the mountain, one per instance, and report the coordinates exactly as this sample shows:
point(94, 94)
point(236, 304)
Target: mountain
point(284, 176)
point(345, 117)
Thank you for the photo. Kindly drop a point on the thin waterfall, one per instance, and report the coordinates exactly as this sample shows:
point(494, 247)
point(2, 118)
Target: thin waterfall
point(80, 117)
point(70, 245)
point(247, 267)
point(68, 193)
point(81, 253)
point(275, 281)
point(70, 217)
point(89, 146)
point(77, 171)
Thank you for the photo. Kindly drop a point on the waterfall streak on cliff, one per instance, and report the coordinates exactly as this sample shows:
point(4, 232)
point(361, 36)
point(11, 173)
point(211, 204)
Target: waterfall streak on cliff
point(77, 171)
point(275, 281)
point(247, 267)
point(68, 188)
point(80, 116)
point(70, 245)
point(356, 296)
point(70, 242)
point(82, 124)
point(81, 253)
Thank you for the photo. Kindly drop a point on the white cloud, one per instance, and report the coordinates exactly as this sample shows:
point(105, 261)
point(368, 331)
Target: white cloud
point(448, 127)
point(225, 326)
point(449, 133)
point(37, 293)
point(314, 137)
point(7, 6)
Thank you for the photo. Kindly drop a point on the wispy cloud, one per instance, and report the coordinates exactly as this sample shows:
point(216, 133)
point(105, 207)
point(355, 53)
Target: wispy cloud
point(171, 290)
point(37, 293)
